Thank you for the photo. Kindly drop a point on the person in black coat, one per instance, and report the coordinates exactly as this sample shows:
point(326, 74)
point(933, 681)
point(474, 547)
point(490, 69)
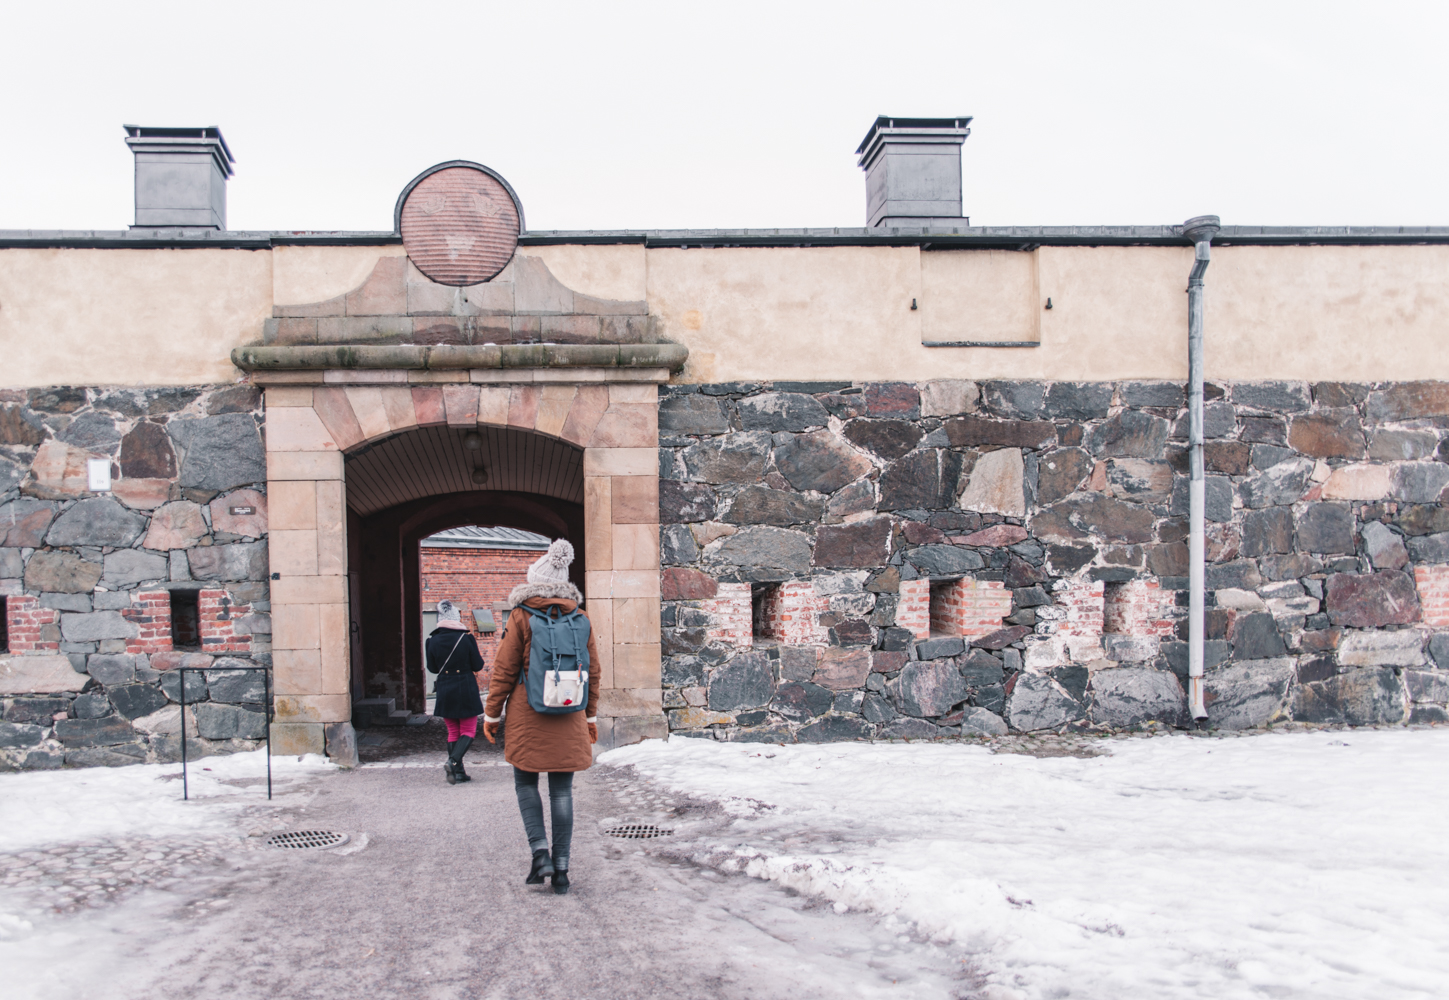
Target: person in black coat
point(452, 653)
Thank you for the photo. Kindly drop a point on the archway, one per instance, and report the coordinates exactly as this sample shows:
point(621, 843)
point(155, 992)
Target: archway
point(347, 446)
point(406, 487)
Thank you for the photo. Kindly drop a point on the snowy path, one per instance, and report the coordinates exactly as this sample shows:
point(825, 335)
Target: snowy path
point(1280, 865)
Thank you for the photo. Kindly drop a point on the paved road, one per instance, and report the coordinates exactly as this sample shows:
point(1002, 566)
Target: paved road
point(433, 905)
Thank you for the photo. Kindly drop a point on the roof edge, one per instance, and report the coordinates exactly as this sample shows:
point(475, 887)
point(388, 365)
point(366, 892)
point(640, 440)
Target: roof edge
point(962, 237)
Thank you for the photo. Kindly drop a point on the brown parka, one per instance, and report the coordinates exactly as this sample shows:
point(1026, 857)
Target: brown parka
point(534, 742)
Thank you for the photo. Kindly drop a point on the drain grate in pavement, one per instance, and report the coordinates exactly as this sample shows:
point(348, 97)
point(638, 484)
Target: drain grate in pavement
point(637, 831)
point(307, 840)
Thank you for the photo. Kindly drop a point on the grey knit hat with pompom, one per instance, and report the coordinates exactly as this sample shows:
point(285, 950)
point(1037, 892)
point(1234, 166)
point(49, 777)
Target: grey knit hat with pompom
point(553, 566)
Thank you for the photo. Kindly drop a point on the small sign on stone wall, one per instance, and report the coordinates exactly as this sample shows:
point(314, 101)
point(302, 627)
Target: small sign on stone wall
point(98, 475)
point(241, 511)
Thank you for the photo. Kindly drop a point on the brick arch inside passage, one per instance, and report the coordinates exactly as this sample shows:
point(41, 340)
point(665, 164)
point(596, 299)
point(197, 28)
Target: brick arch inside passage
point(426, 474)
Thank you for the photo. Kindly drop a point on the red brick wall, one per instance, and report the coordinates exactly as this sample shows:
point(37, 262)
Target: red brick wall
point(790, 613)
point(24, 620)
point(1433, 584)
point(968, 607)
point(474, 578)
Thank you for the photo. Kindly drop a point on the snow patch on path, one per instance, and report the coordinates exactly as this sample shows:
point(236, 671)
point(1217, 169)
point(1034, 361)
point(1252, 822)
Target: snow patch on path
point(41, 808)
point(1279, 865)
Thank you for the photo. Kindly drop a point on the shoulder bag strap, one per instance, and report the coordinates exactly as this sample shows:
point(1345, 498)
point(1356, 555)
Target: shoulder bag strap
point(451, 652)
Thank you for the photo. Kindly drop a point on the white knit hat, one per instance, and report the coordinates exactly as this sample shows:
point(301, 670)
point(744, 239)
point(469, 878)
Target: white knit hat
point(448, 615)
point(553, 565)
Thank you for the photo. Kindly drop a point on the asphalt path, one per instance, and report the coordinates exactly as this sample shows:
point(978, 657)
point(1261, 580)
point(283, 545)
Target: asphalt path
point(428, 900)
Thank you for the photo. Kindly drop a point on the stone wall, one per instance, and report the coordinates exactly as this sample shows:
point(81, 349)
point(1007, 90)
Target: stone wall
point(89, 579)
point(973, 558)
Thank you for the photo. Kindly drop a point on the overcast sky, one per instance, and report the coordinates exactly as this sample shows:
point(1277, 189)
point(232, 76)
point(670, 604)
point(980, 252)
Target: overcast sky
point(714, 115)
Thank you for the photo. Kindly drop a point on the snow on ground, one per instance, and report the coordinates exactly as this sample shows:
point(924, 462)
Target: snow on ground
point(1278, 865)
point(40, 808)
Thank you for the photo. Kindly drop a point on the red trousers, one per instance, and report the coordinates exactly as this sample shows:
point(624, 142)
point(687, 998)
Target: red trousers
point(461, 727)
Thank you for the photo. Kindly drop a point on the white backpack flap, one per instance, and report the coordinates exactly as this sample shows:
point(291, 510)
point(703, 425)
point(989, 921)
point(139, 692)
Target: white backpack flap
point(565, 688)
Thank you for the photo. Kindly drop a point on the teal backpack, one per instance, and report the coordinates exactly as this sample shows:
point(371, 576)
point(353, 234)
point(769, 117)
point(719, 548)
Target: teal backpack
point(557, 676)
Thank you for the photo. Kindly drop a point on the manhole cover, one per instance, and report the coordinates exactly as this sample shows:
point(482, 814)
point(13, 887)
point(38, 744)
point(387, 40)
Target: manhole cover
point(307, 840)
point(637, 831)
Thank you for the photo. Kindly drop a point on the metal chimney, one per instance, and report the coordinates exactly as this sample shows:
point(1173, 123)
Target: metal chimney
point(913, 171)
point(180, 177)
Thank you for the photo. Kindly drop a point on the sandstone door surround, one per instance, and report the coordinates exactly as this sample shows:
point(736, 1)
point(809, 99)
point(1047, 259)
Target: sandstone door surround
point(611, 414)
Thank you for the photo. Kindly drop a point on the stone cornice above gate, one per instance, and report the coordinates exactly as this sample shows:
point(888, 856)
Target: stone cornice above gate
point(416, 363)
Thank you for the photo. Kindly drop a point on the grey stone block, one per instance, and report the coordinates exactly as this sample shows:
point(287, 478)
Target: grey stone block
point(133, 701)
point(1249, 693)
point(341, 742)
point(195, 685)
point(1129, 696)
point(1078, 400)
point(65, 602)
point(224, 722)
point(779, 411)
point(1168, 395)
point(14, 736)
point(1359, 698)
point(107, 731)
point(123, 755)
point(1036, 702)
point(111, 669)
point(1217, 497)
point(693, 414)
point(746, 681)
point(928, 689)
point(764, 547)
point(127, 567)
point(1420, 482)
point(1279, 485)
point(235, 686)
point(221, 452)
point(1278, 397)
point(246, 561)
point(61, 573)
point(835, 729)
point(97, 521)
point(95, 626)
point(942, 646)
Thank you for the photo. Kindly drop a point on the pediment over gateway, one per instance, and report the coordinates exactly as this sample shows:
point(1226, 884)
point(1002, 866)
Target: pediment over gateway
point(524, 304)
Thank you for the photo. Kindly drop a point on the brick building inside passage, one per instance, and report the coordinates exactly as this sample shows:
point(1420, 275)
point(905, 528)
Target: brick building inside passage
point(476, 568)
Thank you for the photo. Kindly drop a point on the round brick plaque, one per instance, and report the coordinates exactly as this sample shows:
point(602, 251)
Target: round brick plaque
point(459, 223)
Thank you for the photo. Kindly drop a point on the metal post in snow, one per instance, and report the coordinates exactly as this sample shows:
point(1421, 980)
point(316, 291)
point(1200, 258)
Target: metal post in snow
point(1200, 231)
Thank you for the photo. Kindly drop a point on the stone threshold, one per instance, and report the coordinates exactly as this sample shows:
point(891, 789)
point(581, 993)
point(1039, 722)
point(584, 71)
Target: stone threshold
point(461, 361)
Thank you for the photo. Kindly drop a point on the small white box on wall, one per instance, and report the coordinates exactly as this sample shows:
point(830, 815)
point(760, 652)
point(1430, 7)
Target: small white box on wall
point(98, 474)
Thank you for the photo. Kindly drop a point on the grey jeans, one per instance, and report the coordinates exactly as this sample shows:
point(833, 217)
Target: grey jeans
point(561, 812)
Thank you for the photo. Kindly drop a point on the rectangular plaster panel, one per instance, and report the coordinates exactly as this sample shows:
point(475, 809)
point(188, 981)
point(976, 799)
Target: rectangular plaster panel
point(976, 295)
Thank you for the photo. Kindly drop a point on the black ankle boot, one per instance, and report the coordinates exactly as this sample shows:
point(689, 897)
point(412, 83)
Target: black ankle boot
point(448, 766)
point(560, 882)
point(456, 755)
point(542, 866)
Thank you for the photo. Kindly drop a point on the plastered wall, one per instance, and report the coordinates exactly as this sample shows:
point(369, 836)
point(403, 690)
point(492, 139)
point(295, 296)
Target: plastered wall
point(1303, 312)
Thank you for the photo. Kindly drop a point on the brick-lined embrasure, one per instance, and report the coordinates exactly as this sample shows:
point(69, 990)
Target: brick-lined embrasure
point(25, 626)
point(150, 612)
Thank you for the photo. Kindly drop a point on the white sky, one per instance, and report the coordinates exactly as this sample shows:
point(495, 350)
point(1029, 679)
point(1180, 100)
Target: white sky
point(739, 114)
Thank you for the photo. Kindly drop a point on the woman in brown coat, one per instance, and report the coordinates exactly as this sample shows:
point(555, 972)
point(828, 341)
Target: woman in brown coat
point(557, 744)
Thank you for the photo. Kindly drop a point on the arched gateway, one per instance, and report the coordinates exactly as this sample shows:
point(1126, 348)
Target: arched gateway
point(380, 407)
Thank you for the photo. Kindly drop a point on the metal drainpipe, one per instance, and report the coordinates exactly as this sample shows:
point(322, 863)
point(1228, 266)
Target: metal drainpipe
point(1200, 231)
